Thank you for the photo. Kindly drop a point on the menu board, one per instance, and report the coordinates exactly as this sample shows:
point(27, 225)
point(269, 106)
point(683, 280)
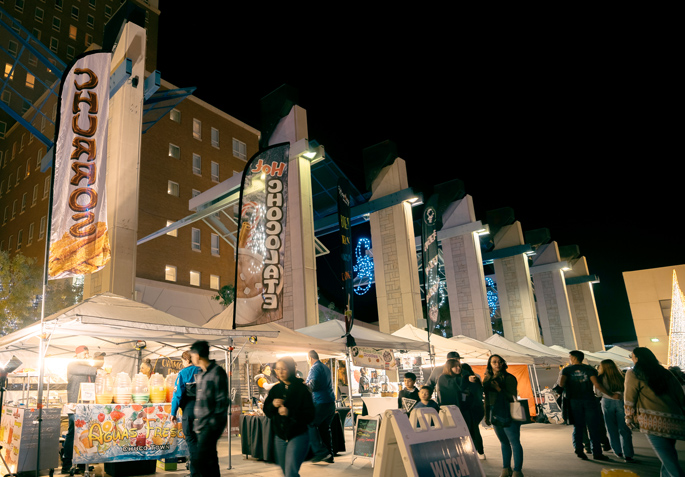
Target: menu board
point(123, 432)
point(19, 438)
point(366, 436)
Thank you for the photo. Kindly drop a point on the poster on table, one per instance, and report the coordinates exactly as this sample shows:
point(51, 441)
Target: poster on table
point(373, 358)
point(261, 238)
point(79, 236)
point(123, 432)
point(431, 281)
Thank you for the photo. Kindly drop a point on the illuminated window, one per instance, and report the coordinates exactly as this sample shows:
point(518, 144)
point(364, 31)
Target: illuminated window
point(173, 233)
point(197, 129)
point(73, 31)
point(239, 149)
point(30, 80)
point(172, 188)
point(170, 273)
point(195, 278)
point(8, 70)
point(214, 282)
point(174, 151)
point(175, 116)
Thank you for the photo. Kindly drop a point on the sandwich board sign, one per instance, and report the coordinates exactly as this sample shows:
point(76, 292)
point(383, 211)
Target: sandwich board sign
point(426, 444)
point(366, 437)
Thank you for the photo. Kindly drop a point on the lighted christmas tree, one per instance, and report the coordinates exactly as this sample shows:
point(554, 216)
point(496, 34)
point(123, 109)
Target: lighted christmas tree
point(676, 337)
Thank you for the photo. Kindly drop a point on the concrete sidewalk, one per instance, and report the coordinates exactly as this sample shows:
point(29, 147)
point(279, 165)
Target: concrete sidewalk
point(546, 447)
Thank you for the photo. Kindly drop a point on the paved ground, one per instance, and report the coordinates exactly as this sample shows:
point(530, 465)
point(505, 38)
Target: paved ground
point(546, 447)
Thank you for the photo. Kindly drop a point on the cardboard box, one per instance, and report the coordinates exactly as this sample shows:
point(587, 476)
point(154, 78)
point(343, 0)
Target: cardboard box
point(166, 464)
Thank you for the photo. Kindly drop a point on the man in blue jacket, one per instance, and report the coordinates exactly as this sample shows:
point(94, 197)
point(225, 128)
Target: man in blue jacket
point(184, 399)
point(319, 382)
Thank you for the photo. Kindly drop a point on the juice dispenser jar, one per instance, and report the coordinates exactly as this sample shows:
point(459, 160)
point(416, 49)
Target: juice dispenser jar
point(104, 388)
point(157, 392)
point(169, 386)
point(122, 389)
point(141, 389)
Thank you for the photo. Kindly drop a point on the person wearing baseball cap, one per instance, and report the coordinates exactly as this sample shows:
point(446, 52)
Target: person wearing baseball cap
point(79, 371)
point(432, 382)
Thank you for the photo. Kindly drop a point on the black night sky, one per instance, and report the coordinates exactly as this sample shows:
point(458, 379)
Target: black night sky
point(576, 136)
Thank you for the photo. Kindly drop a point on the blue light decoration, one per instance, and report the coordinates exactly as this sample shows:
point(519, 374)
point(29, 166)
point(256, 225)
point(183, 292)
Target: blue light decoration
point(493, 299)
point(364, 266)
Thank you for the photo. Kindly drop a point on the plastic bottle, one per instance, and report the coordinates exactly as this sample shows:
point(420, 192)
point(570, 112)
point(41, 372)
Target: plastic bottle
point(157, 391)
point(104, 388)
point(169, 385)
point(122, 389)
point(140, 389)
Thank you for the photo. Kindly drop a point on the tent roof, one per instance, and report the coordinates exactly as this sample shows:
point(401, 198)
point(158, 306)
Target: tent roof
point(112, 323)
point(441, 345)
point(287, 341)
point(509, 356)
point(619, 351)
point(541, 357)
point(597, 357)
point(334, 330)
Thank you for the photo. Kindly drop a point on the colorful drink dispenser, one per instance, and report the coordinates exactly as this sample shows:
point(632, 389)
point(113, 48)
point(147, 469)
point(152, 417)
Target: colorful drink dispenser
point(141, 389)
point(170, 385)
point(122, 389)
point(104, 388)
point(157, 392)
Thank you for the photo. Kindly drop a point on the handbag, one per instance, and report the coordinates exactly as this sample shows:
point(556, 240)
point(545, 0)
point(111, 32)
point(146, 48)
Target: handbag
point(500, 414)
point(517, 412)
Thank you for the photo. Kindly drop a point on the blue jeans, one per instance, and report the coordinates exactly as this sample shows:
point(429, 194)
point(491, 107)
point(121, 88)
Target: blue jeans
point(586, 415)
point(291, 453)
point(667, 454)
point(510, 439)
point(320, 438)
point(620, 436)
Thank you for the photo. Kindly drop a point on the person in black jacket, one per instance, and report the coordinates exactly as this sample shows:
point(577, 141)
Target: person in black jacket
point(211, 408)
point(290, 407)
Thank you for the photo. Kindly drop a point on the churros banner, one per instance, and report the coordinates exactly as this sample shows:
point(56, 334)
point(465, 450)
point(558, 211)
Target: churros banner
point(261, 237)
point(123, 432)
point(79, 241)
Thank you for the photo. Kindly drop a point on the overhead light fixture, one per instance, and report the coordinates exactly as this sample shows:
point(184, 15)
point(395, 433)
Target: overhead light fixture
point(654, 340)
point(315, 154)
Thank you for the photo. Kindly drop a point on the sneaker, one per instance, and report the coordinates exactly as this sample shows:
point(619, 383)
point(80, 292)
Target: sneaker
point(600, 457)
point(322, 459)
point(630, 460)
point(582, 455)
point(481, 456)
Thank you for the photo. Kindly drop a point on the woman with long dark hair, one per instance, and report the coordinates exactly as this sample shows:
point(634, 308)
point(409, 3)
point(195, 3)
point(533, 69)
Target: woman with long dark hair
point(501, 389)
point(290, 407)
point(655, 402)
point(620, 436)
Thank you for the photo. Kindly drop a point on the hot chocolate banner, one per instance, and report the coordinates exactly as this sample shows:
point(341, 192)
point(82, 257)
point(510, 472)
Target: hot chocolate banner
point(122, 432)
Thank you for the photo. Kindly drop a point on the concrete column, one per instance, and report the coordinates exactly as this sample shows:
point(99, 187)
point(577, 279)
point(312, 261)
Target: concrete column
point(583, 308)
point(123, 171)
point(515, 292)
point(552, 299)
point(300, 307)
point(464, 275)
point(398, 289)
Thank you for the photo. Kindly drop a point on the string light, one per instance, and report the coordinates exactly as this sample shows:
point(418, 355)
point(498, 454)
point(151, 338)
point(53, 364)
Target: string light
point(493, 299)
point(676, 336)
point(364, 266)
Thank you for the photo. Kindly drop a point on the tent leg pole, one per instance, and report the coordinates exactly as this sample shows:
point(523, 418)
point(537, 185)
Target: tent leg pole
point(229, 368)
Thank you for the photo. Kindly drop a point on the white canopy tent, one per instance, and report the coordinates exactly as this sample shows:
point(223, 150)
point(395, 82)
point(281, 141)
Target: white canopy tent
point(619, 351)
point(441, 345)
point(542, 358)
point(600, 355)
point(334, 330)
point(509, 356)
point(557, 350)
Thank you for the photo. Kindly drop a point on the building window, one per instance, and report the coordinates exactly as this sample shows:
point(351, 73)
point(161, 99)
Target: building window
point(214, 282)
point(195, 278)
point(173, 233)
point(46, 187)
point(29, 239)
point(34, 199)
point(74, 13)
point(195, 240)
point(4, 220)
point(41, 233)
point(28, 168)
point(170, 273)
point(215, 138)
point(215, 171)
point(175, 116)
point(194, 193)
point(91, 4)
point(30, 80)
point(39, 15)
point(89, 39)
point(59, 4)
point(39, 158)
point(56, 23)
point(3, 130)
point(174, 151)
point(19, 6)
point(9, 71)
point(23, 203)
point(215, 245)
point(6, 97)
point(13, 48)
point(73, 31)
point(108, 11)
point(90, 21)
point(71, 52)
point(239, 149)
point(197, 164)
point(20, 239)
point(18, 175)
point(9, 243)
point(9, 183)
point(172, 188)
point(14, 209)
point(54, 44)
point(197, 129)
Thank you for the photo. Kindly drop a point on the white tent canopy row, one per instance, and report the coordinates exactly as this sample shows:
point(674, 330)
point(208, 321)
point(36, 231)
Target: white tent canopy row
point(334, 331)
point(600, 356)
